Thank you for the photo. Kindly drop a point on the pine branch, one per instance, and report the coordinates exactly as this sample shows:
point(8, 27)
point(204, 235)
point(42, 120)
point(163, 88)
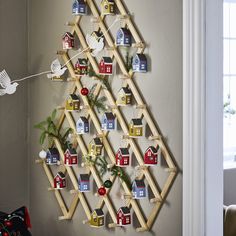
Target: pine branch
point(103, 79)
point(101, 164)
point(50, 131)
point(97, 102)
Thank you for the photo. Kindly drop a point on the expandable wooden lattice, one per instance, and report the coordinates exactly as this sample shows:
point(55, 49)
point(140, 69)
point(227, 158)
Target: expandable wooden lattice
point(143, 112)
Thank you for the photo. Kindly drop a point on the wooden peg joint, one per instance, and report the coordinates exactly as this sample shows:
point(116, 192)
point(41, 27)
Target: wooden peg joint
point(171, 170)
point(158, 137)
point(69, 23)
point(109, 166)
point(126, 196)
point(143, 106)
point(51, 189)
point(74, 191)
point(95, 19)
point(123, 17)
point(61, 52)
point(39, 161)
point(138, 45)
point(154, 200)
point(60, 108)
point(142, 229)
point(125, 136)
point(113, 225)
point(141, 167)
point(125, 77)
point(110, 48)
point(64, 218)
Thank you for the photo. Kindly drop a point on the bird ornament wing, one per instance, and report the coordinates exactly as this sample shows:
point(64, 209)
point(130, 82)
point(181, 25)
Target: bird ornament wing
point(5, 80)
point(100, 44)
point(55, 66)
point(91, 41)
point(2, 92)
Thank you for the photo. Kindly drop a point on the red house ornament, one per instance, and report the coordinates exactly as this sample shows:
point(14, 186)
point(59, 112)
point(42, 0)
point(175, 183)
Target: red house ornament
point(122, 157)
point(123, 216)
point(105, 66)
point(59, 181)
point(81, 66)
point(70, 157)
point(68, 41)
point(151, 156)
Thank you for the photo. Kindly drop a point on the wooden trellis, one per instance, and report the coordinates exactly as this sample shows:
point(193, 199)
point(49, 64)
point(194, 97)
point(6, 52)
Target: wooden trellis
point(156, 137)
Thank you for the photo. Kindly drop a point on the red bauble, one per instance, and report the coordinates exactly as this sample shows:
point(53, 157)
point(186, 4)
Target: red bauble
point(84, 91)
point(8, 223)
point(102, 191)
point(5, 234)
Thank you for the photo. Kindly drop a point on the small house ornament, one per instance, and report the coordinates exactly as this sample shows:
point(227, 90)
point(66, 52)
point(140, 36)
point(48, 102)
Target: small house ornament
point(139, 189)
point(82, 125)
point(123, 37)
point(122, 157)
point(105, 66)
point(84, 184)
point(108, 121)
point(68, 41)
point(95, 147)
point(108, 7)
point(52, 157)
point(123, 216)
point(124, 97)
point(70, 157)
point(136, 128)
point(97, 218)
point(139, 63)
point(150, 156)
point(79, 7)
point(72, 103)
point(59, 181)
point(81, 66)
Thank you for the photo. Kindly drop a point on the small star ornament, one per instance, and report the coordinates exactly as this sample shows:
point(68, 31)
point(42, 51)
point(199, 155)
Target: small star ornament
point(95, 44)
point(7, 86)
point(57, 69)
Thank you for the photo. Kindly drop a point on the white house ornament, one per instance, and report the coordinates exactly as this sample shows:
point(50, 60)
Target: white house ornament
point(56, 69)
point(7, 86)
point(95, 44)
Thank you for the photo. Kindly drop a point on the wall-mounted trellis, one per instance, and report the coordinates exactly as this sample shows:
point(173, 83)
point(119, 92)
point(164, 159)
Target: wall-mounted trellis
point(127, 80)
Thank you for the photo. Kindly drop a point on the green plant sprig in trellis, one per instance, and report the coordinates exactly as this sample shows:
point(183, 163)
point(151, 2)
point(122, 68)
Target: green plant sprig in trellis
point(128, 61)
point(103, 79)
point(50, 131)
point(95, 101)
point(101, 164)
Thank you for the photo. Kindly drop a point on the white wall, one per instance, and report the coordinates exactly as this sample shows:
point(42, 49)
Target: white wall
point(13, 109)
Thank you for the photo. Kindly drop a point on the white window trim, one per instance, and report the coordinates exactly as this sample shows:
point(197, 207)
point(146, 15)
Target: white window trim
point(202, 118)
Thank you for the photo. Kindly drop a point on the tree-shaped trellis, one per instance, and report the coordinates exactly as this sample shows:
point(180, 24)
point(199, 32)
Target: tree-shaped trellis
point(127, 77)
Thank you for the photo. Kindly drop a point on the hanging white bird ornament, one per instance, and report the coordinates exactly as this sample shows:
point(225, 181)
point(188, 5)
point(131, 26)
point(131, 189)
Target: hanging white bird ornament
point(95, 44)
point(7, 86)
point(56, 69)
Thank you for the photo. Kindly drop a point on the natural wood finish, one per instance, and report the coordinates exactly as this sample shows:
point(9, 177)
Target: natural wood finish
point(160, 195)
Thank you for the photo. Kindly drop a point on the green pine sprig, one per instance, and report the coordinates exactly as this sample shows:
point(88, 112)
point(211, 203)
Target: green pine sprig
point(97, 102)
point(103, 79)
point(128, 61)
point(101, 164)
point(49, 131)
